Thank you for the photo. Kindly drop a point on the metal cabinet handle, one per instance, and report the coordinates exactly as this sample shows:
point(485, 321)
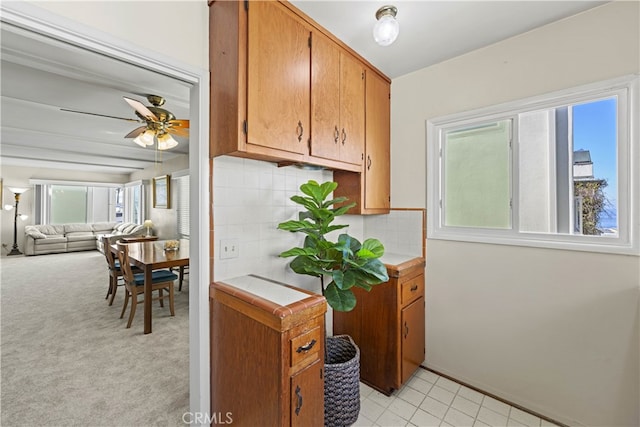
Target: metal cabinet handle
point(344, 136)
point(336, 134)
point(308, 346)
point(300, 130)
point(368, 162)
point(406, 329)
point(298, 400)
point(414, 288)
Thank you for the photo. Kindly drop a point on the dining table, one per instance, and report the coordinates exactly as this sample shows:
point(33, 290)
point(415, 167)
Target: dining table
point(152, 255)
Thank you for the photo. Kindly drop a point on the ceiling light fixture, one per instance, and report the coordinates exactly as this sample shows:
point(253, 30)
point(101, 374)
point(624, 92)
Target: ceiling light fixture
point(166, 141)
point(150, 136)
point(145, 138)
point(386, 30)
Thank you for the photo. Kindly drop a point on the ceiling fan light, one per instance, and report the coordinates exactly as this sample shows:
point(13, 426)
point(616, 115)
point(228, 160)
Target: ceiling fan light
point(166, 141)
point(386, 29)
point(139, 141)
point(147, 137)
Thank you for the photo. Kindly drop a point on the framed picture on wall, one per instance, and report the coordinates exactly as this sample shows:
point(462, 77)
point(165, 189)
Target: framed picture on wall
point(162, 192)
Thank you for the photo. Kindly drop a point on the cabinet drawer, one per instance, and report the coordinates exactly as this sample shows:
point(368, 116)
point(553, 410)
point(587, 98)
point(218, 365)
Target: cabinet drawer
point(412, 289)
point(305, 347)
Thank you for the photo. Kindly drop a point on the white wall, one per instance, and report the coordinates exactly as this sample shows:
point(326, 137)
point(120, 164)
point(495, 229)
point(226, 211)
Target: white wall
point(175, 29)
point(555, 331)
point(165, 221)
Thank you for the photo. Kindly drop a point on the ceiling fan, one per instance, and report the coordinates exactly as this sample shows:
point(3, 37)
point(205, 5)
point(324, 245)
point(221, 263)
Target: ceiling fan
point(160, 124)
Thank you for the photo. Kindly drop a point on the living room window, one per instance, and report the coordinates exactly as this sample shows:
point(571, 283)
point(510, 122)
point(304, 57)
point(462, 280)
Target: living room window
point(553, 171)
point(134, 202)
point(65, 202)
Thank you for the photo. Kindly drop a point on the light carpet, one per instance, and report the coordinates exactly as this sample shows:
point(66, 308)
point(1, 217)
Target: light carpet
point(67, 358)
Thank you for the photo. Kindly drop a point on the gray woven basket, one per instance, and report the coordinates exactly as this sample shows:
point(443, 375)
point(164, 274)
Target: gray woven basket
point(341, 381)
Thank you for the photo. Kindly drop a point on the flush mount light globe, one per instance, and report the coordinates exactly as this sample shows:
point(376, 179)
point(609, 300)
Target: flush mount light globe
point(386, 30)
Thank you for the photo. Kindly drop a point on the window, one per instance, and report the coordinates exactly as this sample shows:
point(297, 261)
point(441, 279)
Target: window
point(182, 206)
point(552, 171)
point(134, 202)
point(64, 202)
point(68, 204)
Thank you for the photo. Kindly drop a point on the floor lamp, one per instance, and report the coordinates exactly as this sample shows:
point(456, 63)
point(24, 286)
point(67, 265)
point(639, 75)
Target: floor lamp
point(17, 192)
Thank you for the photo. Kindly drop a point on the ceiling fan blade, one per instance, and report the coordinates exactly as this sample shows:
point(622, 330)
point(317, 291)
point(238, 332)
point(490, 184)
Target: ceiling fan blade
point(184, 124)
point(141, 109)
point(179, 132)
point(136, 132)
point(102, 115)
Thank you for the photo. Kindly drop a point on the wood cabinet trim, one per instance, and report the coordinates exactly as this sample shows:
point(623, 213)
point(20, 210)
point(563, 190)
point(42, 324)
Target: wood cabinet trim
point(406, 268)
point(279, 318)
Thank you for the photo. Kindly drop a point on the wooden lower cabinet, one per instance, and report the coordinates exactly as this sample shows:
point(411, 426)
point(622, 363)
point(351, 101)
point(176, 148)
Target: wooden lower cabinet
point(267, 357)
point(388, 325)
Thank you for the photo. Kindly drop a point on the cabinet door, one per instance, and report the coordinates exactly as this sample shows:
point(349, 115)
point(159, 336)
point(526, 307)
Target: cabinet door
point(325, 98)
point(307, 396)
point(278, 78)
point(412, 330)
point(377, 168)
point(352, 109)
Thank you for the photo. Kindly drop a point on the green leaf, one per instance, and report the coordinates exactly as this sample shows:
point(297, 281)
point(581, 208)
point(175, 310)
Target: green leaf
point(316, 191)
point(376, 269)
point(354, 244)
point(371, 248)
point(343, 280)
point(338, 299)
point(334, 201)
point(294, 225)
point(335, 227)
point(298, 252)
point(305, 265)
point(343, 209)
point(327, 188)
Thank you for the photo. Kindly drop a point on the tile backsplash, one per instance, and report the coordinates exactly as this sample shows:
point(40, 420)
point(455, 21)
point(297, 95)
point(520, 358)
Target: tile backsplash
point(252, 197)
point(400, 231)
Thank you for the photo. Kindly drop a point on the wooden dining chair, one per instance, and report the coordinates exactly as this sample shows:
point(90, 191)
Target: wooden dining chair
point(115, 273)
point(134, 284)
point(182, 270)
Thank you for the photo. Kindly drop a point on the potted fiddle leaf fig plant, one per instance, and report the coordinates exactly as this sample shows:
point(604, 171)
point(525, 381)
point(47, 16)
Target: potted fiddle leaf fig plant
point(345, 263)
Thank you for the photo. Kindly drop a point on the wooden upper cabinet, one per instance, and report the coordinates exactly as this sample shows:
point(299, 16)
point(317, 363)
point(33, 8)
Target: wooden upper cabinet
point(377, 157)
point(371, 189)
point(283, 89)
point(278, 84)
point(337, 102)
point(352, 109)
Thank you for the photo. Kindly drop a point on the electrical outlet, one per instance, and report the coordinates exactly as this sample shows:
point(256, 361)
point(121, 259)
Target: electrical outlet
point(229, 248)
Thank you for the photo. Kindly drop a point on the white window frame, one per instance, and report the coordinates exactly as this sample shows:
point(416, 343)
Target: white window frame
point(44, 204)
point(628, 164)
point(181, 183)
point(129, 201)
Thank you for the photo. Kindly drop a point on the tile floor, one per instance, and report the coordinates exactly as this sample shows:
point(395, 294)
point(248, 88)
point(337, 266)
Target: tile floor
point(428, 399)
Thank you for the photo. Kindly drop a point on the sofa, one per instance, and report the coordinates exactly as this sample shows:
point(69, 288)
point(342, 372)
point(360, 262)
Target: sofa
point(59, 238)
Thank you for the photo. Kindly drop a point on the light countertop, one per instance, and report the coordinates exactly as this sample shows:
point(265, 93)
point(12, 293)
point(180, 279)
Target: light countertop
point(390, 258)
point(266, 289)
